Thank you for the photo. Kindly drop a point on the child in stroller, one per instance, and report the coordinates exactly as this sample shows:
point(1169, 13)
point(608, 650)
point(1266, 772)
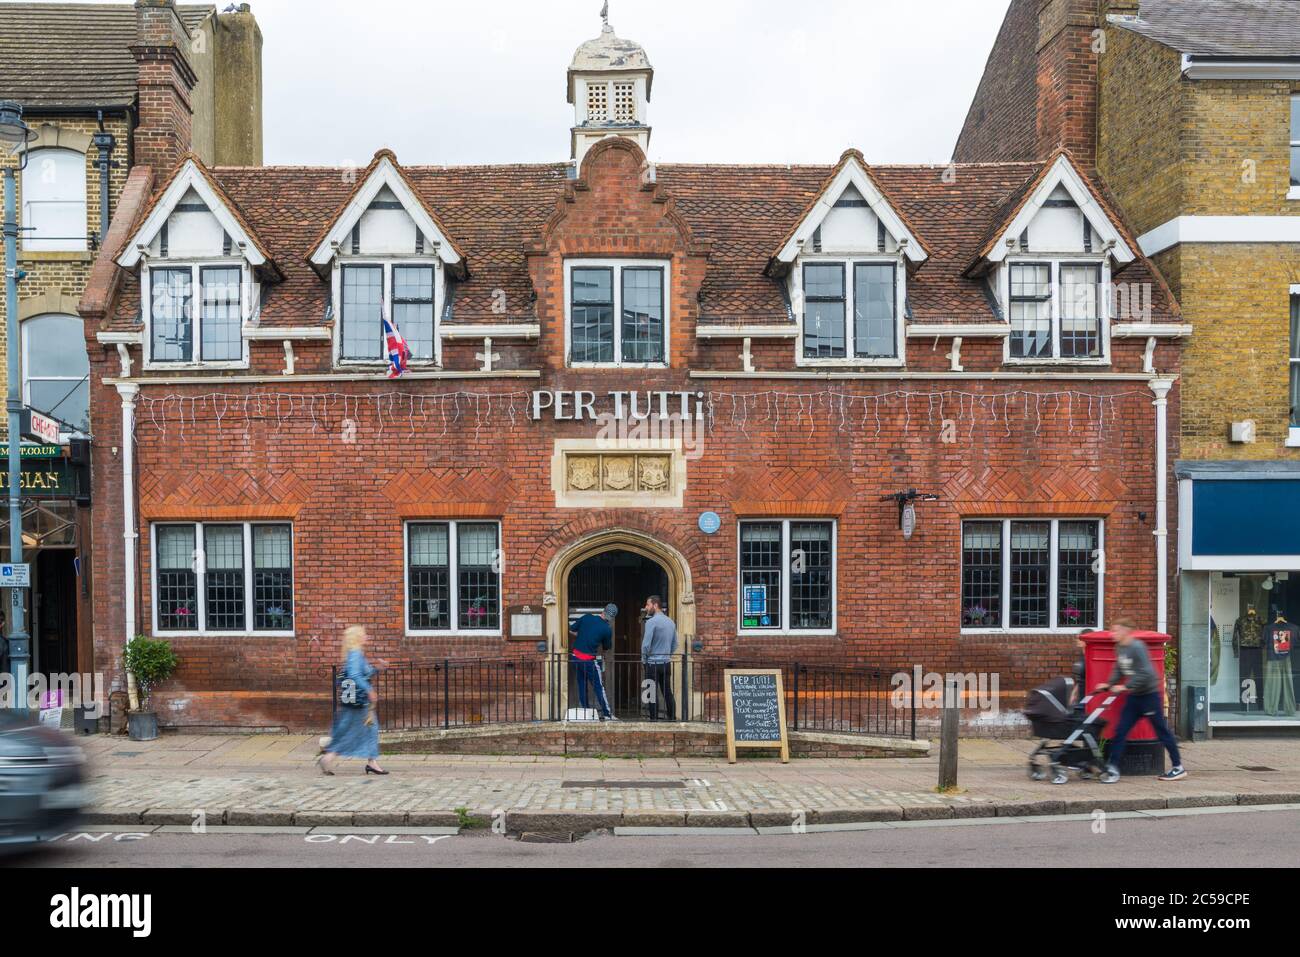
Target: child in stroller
point(1069, 731)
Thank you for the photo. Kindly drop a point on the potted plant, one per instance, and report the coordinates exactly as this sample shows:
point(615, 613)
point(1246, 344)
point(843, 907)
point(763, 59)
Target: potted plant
point(148, 661)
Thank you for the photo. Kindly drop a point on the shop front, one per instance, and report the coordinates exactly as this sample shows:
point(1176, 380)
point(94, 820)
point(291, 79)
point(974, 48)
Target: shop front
point(1239, 564)
point(55, 510)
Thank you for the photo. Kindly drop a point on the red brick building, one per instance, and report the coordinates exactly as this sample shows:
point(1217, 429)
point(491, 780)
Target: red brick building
point(607, 354)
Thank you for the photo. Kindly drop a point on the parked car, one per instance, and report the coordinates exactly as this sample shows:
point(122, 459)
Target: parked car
point(42, 781)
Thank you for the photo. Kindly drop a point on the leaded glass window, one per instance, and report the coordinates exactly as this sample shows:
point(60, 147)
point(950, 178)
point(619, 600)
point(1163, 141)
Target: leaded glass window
point(453, 576)
point(787, 575)
point(177, 592)
point(362, 313)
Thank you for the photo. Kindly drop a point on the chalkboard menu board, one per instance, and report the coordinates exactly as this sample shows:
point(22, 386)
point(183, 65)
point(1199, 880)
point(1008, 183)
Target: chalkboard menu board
point(755, 711)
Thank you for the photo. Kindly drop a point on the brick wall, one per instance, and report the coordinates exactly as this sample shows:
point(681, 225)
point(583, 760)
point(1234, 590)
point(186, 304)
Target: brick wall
point(1002, 121)
point(826, 450)
point(1236, 364)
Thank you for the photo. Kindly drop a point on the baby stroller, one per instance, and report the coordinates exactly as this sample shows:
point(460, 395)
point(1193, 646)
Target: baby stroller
point(1070, 737)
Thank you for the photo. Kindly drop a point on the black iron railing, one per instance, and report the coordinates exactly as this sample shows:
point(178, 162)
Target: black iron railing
point(466, 692)
point(818, 697)
point(458, 692)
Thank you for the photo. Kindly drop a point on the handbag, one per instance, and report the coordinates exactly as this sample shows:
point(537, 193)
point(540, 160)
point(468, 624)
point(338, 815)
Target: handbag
point(351, 695)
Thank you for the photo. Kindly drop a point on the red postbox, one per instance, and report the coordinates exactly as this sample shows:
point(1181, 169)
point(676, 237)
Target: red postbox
point(1099, 657)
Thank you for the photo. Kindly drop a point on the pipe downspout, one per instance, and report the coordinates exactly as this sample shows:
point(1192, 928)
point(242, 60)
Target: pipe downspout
point(1161, 387)
point(129, 391)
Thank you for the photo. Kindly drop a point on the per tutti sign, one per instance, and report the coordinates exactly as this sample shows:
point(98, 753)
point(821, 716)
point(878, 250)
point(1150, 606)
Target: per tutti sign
point(575, 406)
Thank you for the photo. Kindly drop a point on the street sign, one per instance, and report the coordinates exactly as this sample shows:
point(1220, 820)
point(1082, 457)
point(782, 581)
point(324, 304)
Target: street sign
point(40, 428)
point(15, 576)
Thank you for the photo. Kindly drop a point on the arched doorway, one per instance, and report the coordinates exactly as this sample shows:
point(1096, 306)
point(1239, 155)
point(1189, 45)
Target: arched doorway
point(625, 578)
point(638, 564)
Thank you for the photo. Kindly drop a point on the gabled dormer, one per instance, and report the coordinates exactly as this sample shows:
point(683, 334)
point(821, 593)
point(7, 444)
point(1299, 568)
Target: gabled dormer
point(844, 268)
point(1048, 262)
point(386, 256)
point(201, 271)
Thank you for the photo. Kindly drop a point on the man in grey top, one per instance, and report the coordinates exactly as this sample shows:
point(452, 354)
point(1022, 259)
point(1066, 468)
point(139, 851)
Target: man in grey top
point(1133, 668)
point(658, 646)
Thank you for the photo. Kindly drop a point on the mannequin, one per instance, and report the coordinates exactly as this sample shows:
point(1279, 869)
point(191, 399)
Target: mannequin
point(1248, 646)
point(1279, 686)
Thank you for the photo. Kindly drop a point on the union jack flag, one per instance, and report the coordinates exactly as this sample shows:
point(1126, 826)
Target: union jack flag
point(399, 353)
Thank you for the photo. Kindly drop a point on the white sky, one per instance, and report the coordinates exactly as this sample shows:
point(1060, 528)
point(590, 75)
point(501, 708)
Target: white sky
point(735, 80)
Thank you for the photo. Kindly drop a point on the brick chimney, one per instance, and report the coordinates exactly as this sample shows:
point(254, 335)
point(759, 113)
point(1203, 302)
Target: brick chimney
point(1053, 45)
point(164, 80)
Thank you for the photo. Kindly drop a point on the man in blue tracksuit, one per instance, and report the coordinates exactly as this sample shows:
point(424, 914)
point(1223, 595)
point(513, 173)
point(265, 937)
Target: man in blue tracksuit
point(588, 637)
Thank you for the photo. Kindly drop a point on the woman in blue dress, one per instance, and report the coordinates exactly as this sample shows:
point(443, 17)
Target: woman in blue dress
point(355, 733)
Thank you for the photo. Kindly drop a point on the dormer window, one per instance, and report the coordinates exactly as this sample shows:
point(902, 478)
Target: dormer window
point(1048, 265)
point(618, 313)
point(402, 291)
point(387, 257)
point(181, 332)
point(1056, 310)
point(870, 298)
point(201, 270)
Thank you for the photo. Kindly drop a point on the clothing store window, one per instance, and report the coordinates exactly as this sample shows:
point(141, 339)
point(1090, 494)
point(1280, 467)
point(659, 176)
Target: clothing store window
point(1253, 634)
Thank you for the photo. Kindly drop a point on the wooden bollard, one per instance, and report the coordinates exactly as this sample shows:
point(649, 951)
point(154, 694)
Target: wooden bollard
point(948, 739)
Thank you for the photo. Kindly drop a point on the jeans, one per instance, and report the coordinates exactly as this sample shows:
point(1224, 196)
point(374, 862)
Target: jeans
point(1137, 707)
point(585, 672)
point(662, 676)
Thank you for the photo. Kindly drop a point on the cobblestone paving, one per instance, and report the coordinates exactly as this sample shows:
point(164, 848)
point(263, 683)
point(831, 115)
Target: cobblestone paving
point(276, 773)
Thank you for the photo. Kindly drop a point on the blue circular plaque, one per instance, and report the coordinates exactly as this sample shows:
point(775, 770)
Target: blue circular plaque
point(710, 522)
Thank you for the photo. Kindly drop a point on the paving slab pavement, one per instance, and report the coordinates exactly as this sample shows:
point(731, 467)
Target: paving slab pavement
point(272, 780)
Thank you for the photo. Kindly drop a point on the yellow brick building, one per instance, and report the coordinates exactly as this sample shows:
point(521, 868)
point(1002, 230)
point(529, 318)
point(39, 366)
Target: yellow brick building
point(1190, 112)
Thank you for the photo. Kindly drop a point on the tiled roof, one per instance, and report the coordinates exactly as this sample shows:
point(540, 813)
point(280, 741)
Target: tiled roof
point(62, 55)
point(741, 212)
point(1231, 28)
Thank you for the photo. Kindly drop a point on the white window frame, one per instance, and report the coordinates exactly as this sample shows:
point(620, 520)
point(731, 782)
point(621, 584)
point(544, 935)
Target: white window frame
point(849, 264)
point(247, 295)
point(617, 265)
point(26, 367)
point(785, 630)
point(1054, 262)
point(1053, 575)
point(386, 306)
point(61, 243)
point(200, 569)
point(1293, 192)
point(1293, 432)
point(453, 580)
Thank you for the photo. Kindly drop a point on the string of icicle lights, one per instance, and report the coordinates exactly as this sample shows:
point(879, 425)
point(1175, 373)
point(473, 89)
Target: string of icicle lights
point(405, 414)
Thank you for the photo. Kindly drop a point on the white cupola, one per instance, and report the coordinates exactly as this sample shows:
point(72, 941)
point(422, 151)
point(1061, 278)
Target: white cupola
point(609, 86)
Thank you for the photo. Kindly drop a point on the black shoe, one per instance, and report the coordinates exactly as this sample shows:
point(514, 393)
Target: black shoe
point(370, 770)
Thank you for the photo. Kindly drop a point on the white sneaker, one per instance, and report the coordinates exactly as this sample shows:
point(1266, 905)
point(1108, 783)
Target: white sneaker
point(1173, 774)
point(1110, 775)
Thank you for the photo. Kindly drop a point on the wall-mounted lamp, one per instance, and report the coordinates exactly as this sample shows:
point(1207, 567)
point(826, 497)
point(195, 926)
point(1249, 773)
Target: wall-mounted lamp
point(907, 508)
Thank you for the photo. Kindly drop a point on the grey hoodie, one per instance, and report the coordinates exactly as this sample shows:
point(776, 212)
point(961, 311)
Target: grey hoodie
point(659, 643)
point(1133, 663)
